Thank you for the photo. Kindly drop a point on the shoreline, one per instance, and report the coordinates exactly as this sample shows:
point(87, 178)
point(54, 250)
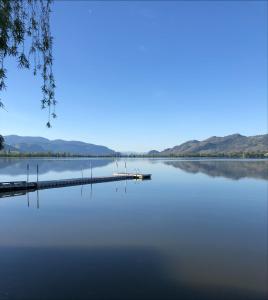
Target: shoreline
point(221, 156)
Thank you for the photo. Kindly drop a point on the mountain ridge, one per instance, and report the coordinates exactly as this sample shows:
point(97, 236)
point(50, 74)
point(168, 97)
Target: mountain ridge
point(41, 145)
point(233, 143)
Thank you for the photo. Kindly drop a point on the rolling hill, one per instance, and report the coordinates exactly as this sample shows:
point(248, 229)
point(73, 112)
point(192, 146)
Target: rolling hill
point(234, 143)
point(41, 145)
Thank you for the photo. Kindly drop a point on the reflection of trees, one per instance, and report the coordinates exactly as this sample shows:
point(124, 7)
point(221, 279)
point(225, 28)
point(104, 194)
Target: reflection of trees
point(13, 166)
point(230, 169)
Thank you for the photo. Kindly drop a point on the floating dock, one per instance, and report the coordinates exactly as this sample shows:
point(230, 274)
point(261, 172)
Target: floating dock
point(134, 175)
point(18, 186)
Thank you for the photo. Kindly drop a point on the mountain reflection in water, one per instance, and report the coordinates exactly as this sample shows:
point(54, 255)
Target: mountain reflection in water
point(13, 166)
point(177, 236)
point(233, 169)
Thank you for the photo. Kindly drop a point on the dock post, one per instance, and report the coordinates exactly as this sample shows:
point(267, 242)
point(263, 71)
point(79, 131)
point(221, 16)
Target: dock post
point(27, 173)
point(91, 180)
point(116, 166)
point(37, 199)
point(37, 171)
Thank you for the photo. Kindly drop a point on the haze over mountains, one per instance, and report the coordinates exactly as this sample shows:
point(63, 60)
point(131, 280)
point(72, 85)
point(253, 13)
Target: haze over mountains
point(42, 145)
point(228, 144)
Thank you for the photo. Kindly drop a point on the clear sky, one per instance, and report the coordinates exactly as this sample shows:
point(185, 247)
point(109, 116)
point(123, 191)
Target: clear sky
point(148, 75)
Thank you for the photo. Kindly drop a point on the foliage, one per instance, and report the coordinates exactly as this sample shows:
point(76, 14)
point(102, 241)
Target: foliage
point(257, 154)
point(1, 142)
point(17, 154)
point(25, 35)
point(193, 155)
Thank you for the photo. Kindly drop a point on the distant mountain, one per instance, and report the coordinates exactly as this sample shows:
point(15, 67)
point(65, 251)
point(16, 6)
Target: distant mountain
point(39, 144)
point(228, 144)
point(9, 148)
point(153, 152)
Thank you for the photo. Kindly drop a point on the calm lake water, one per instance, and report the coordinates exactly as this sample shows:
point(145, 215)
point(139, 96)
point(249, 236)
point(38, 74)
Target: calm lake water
point(197, 230)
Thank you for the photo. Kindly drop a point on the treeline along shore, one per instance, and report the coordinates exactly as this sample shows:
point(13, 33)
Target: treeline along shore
point(262, 155)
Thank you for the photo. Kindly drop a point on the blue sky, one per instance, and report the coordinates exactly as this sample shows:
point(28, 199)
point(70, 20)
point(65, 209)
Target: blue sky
point(148, 75)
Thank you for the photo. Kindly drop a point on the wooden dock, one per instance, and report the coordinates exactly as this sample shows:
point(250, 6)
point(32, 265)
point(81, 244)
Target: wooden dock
point(19, 186)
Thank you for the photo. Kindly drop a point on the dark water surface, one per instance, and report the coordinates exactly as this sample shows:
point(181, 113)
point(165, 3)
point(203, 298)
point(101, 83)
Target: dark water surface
point(197, 230)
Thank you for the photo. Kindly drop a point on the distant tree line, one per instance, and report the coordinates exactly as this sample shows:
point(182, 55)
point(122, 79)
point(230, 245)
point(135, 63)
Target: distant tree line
point(1, 142)
point(8, 153)
point(16, 154)
point(215, 154)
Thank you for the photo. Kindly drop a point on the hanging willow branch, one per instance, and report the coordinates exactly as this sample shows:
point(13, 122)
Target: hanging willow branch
point(28, 22)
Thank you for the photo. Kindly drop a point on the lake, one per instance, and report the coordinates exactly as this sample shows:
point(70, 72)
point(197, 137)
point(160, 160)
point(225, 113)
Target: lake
point(197, 230)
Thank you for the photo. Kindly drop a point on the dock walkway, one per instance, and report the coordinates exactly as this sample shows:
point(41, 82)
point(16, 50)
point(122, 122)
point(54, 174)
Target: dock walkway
point(15, 186)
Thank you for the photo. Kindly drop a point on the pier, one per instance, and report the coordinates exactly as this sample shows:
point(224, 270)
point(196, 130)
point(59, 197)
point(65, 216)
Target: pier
point(20, 186)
